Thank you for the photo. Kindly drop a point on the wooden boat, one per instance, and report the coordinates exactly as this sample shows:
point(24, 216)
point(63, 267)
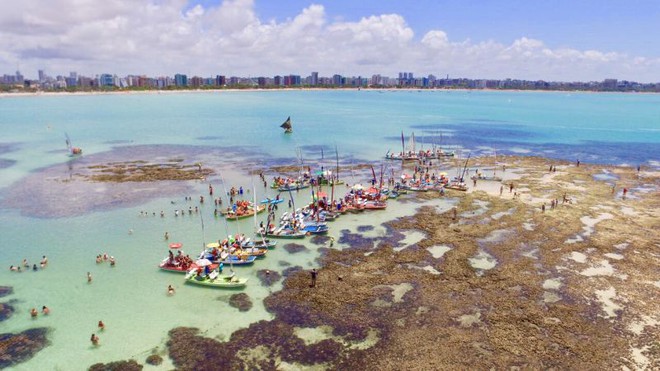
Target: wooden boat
point(288, 128)
point(215, 279)
point(260, 244)
point(456, 186)
point(237, 260)
point(231, 215)
point(316, 229)
point(286, 233)
point(294, 186)
point(73, 151)
point(271, 201)
point(375, 205)
point(251, 251)
point(177, 268)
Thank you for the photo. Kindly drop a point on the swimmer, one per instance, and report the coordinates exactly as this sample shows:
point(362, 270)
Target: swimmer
point(167, 236)
point(105, 256)
point(44, 260)
point(98, 259)
point(112, 261)
point(101, 326)
point(33, 312)
point(130, 231)
point(94, 339)
point(89, 277)
point(25, 263)
point(34, 267)
point(170, 290)
point(45, 310)
point(12, 268)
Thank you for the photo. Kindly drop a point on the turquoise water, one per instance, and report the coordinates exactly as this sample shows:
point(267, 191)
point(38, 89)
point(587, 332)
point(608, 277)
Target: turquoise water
point(130, 298)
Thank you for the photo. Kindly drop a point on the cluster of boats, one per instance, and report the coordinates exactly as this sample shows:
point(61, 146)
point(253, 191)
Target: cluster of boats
point(207, 269)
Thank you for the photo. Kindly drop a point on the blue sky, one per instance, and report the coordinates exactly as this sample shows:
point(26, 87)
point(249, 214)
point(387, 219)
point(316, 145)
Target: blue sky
point(563, 40)
point(630, 26)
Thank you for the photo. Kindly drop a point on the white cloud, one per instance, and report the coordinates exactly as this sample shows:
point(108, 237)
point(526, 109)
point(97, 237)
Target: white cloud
point(163, 37)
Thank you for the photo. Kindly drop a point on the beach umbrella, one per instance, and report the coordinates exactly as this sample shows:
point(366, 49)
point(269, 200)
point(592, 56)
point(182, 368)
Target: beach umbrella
point(358, 187)
point(322, 194)
point(176, 245)
point(213, 245)
point(203, 262)
point(443, 174)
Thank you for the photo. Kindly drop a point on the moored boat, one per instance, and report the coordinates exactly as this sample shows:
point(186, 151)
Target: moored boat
point(215, 279)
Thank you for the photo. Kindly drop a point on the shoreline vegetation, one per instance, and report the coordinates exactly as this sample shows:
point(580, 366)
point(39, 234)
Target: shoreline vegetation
point(177, 90)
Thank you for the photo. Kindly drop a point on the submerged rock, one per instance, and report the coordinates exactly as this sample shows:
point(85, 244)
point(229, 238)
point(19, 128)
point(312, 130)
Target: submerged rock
point(287, 272)
point(6, 290)
point(6, 310)
point(129, 365)
point(293, 248)
point(268, 277)
point(154, 360)
point(241, 301)
point(17, 348)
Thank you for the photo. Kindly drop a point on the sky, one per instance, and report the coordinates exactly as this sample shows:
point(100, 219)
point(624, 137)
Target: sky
point(561, 40)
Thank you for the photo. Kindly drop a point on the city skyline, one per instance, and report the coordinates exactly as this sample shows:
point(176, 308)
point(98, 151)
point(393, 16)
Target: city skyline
point(510, 39)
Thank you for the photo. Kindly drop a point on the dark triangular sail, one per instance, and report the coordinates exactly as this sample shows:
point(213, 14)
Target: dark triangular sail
point(287, 124)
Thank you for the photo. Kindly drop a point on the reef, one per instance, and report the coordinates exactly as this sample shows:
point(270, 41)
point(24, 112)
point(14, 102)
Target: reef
point(293, 248)
point(154, 360)
point(20, 347)
point(6, 290)
point(130, 365)
point(241, 301)
point(6, 311)
point(503, 283)
point(267, 277)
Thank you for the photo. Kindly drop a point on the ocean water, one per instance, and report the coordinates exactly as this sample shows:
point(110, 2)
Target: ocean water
point(131, 297)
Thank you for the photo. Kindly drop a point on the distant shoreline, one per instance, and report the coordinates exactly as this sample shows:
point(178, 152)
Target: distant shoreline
point(252, 90)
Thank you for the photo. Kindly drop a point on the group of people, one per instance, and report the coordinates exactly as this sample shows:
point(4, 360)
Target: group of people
point(25, 265)
point(102, 258)
point(44, 310)
point(179, 260)
point(95, 339)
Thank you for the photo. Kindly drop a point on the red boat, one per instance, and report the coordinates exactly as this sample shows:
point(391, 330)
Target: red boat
point(179, 268)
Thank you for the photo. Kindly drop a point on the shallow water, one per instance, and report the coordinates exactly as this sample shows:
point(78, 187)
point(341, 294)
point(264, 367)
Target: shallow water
point(233, 133)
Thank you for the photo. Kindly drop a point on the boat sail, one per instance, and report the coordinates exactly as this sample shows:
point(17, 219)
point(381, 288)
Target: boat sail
point(73, 151)
point(288, 128)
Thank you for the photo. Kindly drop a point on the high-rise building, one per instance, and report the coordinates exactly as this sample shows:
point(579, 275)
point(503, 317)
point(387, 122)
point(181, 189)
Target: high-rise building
point(180, 80)
point(42, 76)
point(315, 79)
point(337, 80)
point(220, 80)
point(106, 80)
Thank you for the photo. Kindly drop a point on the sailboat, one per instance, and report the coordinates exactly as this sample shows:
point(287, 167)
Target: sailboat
point(73, 151)
point(410, 155)
point(288, 128)
point(494, 177)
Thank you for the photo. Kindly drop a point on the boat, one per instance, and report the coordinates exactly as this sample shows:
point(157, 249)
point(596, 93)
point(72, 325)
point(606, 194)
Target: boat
point(166, 265)
point(251, 251)
point(215, 279)
point(271, 201)
point(297, 185)
point(72, 151)
point(237, 260)
point(243, 210)
point(288, 128)
point(260, 244)
point(457, 186)
point(410, 155)
point(316, 229)
point(285, 233)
